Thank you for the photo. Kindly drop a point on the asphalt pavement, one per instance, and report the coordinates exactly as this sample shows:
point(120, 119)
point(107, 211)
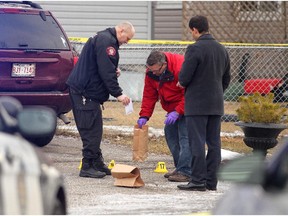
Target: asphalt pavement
point(88, 196)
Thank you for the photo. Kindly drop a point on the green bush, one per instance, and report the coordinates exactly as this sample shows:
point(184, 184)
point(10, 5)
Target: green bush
point(260, 109)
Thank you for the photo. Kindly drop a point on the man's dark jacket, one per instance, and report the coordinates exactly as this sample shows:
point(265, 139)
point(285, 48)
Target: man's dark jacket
point(94, 75)
point(206, 74)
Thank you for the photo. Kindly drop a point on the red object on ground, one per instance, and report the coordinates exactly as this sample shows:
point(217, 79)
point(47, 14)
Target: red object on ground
point(263, 86)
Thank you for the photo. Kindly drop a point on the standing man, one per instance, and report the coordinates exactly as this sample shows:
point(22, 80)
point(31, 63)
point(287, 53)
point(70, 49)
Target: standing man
point(92, 80)
point(160, 83)
point(205, 74)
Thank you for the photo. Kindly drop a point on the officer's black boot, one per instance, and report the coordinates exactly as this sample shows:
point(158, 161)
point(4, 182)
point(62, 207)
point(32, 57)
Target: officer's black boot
point(100, 165)
point(89, 170)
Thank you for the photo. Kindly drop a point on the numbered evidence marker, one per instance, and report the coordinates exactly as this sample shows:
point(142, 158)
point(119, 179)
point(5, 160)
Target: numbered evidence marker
point(161, 168)
point(80, 165)
point(111, 164)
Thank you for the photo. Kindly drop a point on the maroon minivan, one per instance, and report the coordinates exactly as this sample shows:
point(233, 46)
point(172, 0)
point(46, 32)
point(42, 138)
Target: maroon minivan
point(36, 58)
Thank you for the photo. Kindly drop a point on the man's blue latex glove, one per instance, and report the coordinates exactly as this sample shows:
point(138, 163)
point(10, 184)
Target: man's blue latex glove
point(141, 122)
point(171, 118)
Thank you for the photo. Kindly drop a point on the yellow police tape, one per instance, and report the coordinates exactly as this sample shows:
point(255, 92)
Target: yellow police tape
point(175, 42)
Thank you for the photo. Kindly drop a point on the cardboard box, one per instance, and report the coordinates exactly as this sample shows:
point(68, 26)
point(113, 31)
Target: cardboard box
point(126, 176)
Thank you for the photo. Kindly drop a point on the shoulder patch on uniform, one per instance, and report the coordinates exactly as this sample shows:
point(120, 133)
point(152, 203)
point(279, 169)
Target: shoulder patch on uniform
point(111, 51)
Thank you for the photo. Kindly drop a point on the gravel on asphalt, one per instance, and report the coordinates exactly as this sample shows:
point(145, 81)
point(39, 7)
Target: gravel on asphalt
point(88, 196)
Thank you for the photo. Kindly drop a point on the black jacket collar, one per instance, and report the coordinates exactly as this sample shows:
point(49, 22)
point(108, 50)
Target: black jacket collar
point(113, 33)
point(206, 37)
point(166, 76)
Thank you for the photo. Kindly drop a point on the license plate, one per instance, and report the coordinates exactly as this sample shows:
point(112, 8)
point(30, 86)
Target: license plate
point(23, 70)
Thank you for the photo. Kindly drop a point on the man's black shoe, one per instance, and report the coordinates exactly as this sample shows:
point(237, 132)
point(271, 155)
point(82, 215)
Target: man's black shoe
point(192, 187)
point(105, 169)
point(88, 170)
point(99, 164)
point(211, 188)
point(91, 173)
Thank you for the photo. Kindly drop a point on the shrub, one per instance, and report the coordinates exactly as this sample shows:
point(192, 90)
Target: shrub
point(260, 109)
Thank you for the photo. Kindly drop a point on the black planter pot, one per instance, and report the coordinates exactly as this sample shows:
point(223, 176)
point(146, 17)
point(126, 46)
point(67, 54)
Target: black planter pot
point(261, 136)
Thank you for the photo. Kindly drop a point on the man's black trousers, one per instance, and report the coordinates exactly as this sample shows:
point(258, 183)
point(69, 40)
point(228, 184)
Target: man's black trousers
point(89, 122)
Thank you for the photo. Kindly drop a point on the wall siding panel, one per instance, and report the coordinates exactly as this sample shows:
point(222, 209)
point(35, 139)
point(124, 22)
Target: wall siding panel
point(167, 23)
point(85, 18)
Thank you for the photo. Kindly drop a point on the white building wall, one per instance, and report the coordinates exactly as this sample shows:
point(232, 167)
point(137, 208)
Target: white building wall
point(85, 18)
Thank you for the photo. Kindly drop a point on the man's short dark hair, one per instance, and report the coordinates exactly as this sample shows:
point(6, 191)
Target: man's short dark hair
point(200, 23)
point(156, 57)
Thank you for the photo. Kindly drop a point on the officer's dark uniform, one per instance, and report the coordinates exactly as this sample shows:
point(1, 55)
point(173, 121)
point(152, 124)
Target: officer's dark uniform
point(91, 81)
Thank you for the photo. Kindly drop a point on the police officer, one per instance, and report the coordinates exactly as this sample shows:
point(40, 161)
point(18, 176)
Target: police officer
point(92, 80)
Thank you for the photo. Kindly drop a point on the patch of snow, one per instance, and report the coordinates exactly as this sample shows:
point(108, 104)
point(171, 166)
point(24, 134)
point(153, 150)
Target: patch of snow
point(128, 130)
point(228, 155)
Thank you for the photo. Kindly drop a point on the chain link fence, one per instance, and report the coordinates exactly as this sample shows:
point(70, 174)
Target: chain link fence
point(254, 68)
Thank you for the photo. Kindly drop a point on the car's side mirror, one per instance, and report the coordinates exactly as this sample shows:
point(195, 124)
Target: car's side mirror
point(277, 169)
point(248, 169)
point(36, 122)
